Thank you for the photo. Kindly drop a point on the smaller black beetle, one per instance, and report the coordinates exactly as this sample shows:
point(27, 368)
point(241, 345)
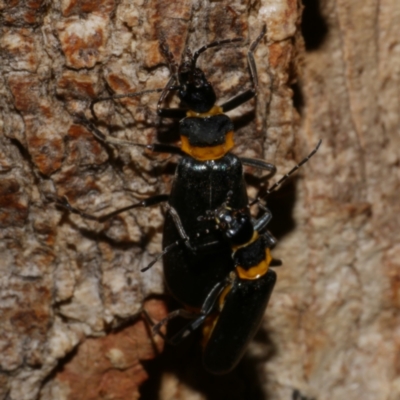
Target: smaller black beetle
point(242, 303)
point(233, 310)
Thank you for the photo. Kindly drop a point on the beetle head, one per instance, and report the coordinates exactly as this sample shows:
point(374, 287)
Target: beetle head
point(195, 90)
point(236, 225)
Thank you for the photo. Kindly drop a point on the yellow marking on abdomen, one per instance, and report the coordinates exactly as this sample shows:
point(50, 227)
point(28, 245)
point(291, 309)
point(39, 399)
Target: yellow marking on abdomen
point(257, 271)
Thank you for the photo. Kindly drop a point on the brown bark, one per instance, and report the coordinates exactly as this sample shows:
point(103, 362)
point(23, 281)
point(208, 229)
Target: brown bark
point(331, 329)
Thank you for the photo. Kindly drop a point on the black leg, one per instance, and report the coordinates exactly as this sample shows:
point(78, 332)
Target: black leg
point(272, 241)
point(238, 100)
point(120, 96)
point(178, 224)
point(63, 202)
point(217, 43)
point(260, 164)
point(262, 222)
point(159, 257)
point(206, 309)
point(187, 330)
point(175, 113)
point(185, 239)
point(151, 324)
point(284, 177)
point(171, 247)
point(275, 263)
point(174, 314)
point(158, 148)
point(250, 93)
point(182, 233)
point(296, 395)
point(198, 318)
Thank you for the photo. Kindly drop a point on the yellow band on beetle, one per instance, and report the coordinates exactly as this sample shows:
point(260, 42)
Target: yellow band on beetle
point(257, 271)
point(214, 111)
point(209, 152)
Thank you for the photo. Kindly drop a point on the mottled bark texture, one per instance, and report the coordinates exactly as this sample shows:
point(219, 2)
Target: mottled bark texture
point(70, 289)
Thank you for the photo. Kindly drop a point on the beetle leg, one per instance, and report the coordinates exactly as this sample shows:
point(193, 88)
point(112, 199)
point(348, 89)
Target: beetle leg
point(206, 309)
point(176, 113)
point(165, 90)
point(177, 313)
point(213, 295)
point(165, 251)
point(249, 93)
point(275, 263)
point(182, 233)
point(120, 96)
point(98, 134)
point(64, 203)
point(187, 330)
point(286, 176)
point(272, 241)
point(238, 100)
point(181, 230)
point(198, 318)
point(296, 395)
point(262, 222)
point(151, 323)
point(178, 223)
point(260, 164)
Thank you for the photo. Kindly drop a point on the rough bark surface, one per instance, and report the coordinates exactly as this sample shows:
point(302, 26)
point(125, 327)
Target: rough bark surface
point(70, 289)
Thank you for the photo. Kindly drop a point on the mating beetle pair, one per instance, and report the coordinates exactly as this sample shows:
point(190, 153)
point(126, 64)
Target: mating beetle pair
point(232, 311)
point(223, 274)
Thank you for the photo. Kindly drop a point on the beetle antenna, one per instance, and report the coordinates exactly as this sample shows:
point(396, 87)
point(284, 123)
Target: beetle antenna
point(164, 92)
point(286, 176)
point(166, 52)
point(121, 96)
point(173, 67)
point(213, 44)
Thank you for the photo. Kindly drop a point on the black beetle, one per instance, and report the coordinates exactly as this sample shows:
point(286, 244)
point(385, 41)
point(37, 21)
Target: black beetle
point(206, 172)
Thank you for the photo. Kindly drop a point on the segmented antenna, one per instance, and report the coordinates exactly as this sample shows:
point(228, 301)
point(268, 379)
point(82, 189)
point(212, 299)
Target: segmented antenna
point(120, 96)
point(210, 45)
point(284, 177)
point(252, 63)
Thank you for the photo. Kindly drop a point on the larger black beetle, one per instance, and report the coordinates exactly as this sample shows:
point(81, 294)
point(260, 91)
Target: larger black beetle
point(205, 174)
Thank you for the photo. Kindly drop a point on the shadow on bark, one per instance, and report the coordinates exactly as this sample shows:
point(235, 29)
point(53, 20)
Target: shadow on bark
point(281, 204)
point(246, 381)
point(313, 26)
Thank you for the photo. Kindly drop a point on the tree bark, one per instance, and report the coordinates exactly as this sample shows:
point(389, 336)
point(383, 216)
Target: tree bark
point(71, 290)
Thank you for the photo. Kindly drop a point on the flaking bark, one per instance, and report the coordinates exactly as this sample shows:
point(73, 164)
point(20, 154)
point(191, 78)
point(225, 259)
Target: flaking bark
point(66, 284)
